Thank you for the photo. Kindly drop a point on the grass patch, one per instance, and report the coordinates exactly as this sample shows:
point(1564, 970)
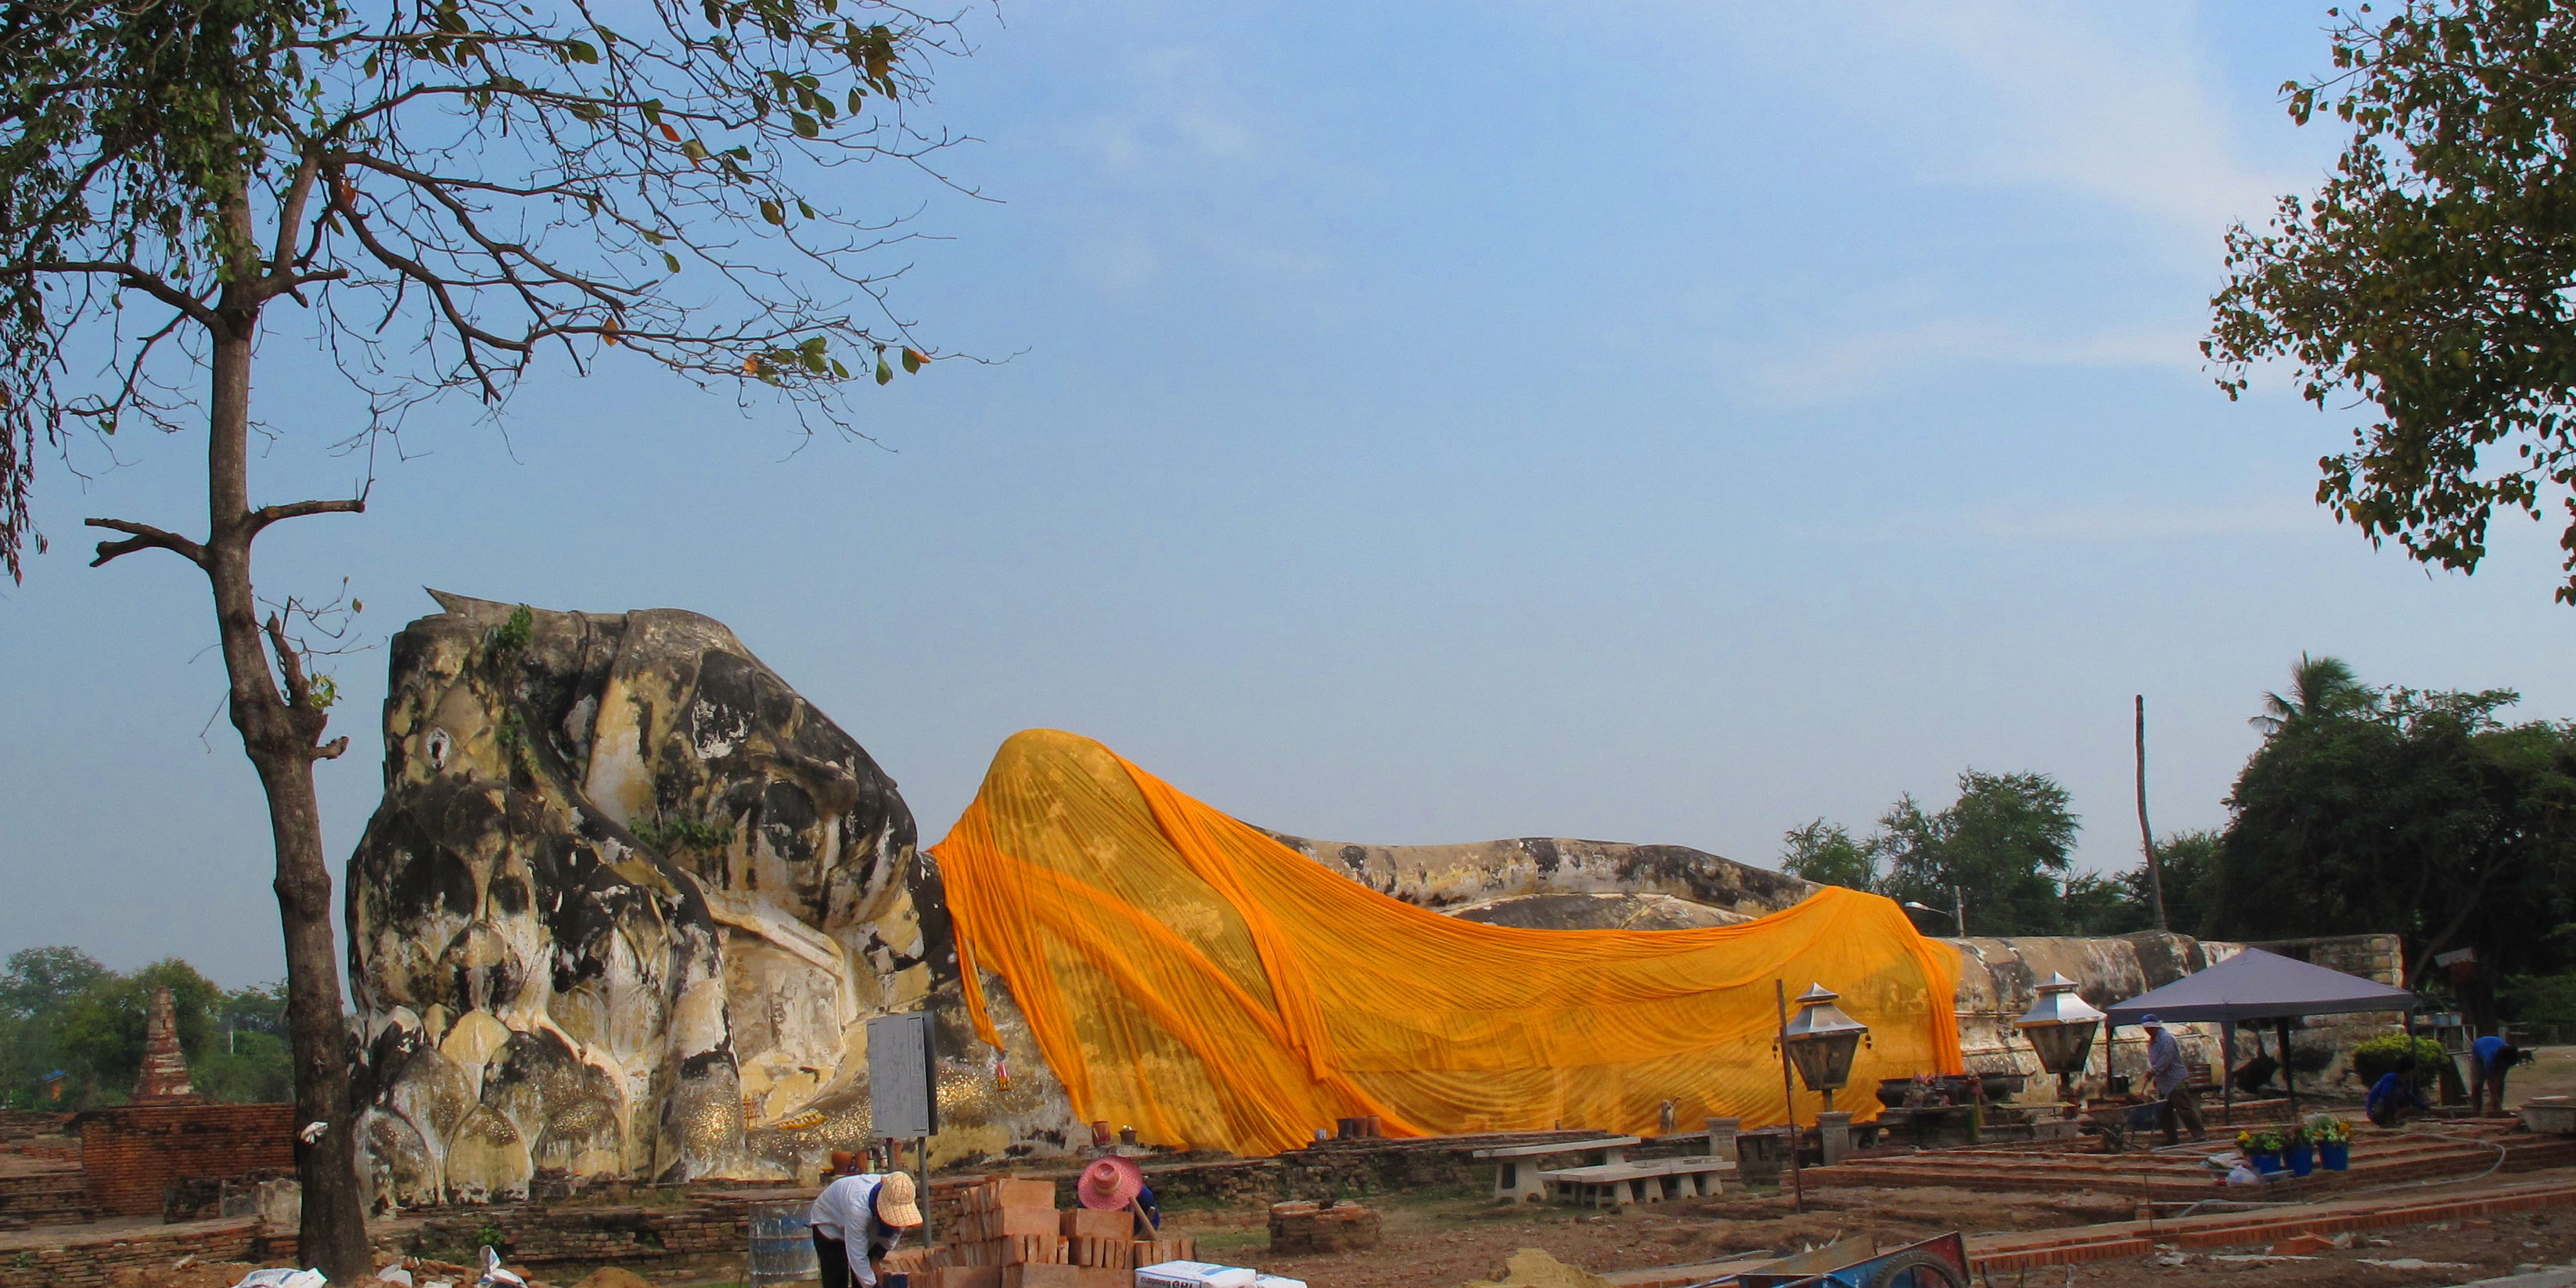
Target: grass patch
point(1223, 1240)
point(1202, 1203)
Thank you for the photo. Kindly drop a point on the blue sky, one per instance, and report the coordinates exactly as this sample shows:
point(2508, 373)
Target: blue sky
point(1421, 423)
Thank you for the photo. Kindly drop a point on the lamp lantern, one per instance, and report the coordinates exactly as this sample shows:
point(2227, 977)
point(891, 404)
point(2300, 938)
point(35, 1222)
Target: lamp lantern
point(2060, 1026)
point(1822, 1041)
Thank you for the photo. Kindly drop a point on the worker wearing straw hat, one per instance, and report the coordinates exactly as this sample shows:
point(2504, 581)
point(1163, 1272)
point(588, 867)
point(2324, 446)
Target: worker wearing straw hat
point(1112, 1184)
point(856, 1221)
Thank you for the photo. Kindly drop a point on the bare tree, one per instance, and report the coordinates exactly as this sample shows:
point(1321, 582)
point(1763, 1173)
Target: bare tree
point(444, 191)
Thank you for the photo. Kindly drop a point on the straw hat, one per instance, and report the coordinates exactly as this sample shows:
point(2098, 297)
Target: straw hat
point(894, 1199)
point(1109, 1184)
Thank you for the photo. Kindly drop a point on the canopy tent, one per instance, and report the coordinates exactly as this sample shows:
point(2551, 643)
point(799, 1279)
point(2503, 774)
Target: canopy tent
point(1183, 972)
point(2256, 985)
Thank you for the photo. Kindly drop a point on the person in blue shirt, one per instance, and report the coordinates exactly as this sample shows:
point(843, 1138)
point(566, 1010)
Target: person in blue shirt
point(2394, 1096)
point(856, 1221)
point(2172, 1079)
point(2490, 1058)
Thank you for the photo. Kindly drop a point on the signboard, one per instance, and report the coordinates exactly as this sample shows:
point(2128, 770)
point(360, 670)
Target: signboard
point(902, 1081)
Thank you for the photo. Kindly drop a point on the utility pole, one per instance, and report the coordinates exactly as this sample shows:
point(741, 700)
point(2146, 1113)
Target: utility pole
point(2147, 835)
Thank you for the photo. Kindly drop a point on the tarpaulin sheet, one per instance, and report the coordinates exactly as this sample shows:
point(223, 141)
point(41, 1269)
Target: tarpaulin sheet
point(1188, 975)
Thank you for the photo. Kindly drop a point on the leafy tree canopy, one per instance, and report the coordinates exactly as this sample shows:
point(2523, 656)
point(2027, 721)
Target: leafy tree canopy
point(446, 190)
point(2428, 277)
point(2416, 812)
point(2005, 842)
point(1827, 853)
point(62, 1012)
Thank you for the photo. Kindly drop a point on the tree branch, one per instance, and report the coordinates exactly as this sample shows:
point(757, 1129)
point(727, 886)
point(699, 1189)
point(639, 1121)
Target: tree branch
point(134, 275)
point(299, 689)
point(268, 514)
point(145, 537)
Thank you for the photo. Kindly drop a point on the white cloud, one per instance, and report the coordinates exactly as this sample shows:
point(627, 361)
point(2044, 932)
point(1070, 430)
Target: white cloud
point(2111, 522)
point(1176, 114)
point(1862, 363)
point(2110, 105)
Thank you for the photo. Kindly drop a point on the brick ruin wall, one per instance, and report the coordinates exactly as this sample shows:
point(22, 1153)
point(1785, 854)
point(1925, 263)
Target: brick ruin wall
point(133, 1153)
point(95, 1261)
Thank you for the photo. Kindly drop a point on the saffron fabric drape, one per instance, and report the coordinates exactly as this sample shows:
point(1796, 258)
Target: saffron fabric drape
point(1187, 975)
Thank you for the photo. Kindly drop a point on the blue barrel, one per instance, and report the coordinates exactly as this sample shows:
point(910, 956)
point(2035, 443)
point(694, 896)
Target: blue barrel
point(782, 1244)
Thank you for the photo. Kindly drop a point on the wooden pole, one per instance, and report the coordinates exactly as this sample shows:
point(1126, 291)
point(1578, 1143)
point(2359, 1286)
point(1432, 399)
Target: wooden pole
point(1789, 1095)
point(2146, 834)
point(923, 1145)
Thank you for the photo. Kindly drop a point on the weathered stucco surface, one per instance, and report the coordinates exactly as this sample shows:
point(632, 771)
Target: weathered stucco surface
point(1454, 878)
point(624, 910)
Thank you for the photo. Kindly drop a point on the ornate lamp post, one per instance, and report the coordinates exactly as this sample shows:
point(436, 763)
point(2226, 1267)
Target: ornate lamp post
point(2060, 1026)
point(1821, 1042)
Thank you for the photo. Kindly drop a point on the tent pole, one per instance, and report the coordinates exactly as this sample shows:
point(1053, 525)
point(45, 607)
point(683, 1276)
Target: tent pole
point(2409, 1022)
point(2227, 1068)
point(2289, 1076)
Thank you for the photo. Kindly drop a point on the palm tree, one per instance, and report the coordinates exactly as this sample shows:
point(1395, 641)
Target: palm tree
point(2321, 688)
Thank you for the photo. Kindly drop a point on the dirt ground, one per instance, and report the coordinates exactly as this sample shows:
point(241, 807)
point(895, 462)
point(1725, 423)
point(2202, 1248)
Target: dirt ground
point(2457, 1252)
point(2552, 1072)
point(1444, 1242)
point(1447, 1240)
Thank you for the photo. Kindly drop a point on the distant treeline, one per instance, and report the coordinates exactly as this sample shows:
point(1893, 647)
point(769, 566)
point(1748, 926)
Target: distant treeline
point(71, 1032)
point(2367, 809)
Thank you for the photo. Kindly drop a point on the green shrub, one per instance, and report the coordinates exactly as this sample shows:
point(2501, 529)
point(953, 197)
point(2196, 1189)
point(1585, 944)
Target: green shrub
point(2379, 1057)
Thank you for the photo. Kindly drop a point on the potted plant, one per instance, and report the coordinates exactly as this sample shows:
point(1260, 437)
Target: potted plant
point(2301, 1155)
point(2334, 1141)
point(2262, 1148)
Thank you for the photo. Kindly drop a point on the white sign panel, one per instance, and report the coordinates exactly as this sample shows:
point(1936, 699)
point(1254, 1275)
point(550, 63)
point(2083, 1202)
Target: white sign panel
point(902, 1084)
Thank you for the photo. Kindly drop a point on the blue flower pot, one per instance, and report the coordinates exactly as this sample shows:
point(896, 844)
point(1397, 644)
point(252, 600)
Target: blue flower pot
point(2267, 1163)
point(2334, 1155)
point(2303, 1159)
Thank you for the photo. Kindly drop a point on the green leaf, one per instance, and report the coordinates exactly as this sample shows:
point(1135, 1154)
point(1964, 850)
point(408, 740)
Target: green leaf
point(885, 373)
point(769, 211)
point(912, 360)
point(805, 210)
point(670, 260)
point(580, 51)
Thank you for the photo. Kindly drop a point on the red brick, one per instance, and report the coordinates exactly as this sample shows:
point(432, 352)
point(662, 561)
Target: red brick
point(131, 1153)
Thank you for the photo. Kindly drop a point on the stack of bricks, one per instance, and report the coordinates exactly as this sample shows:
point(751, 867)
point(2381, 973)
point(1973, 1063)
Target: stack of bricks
point(1008, 1234)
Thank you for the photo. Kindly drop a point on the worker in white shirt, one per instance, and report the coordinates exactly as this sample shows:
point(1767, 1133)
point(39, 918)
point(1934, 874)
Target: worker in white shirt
point(856, 1221)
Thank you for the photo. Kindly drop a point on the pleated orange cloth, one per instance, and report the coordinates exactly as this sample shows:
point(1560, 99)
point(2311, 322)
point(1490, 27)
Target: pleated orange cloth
point(1186, 974)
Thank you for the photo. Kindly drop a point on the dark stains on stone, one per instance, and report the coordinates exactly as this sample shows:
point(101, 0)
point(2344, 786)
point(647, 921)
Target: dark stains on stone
point(2164, 957)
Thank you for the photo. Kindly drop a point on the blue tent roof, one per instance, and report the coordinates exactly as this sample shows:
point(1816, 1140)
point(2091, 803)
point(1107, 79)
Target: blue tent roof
point(2256, 985)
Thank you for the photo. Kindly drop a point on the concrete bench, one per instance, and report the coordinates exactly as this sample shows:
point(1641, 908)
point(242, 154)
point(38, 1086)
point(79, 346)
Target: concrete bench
point(1517, 1177)
point(1645, 1181)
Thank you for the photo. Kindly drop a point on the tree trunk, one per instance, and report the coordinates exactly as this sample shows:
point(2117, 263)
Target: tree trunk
point(281, 732)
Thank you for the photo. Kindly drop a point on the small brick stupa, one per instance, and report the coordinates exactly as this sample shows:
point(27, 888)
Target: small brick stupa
point(164, 1080)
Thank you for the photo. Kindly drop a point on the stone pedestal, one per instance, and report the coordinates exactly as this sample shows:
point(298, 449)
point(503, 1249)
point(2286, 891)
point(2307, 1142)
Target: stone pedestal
point(1721, 1137)
point(1833, 1130)
point(1761, 1156)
